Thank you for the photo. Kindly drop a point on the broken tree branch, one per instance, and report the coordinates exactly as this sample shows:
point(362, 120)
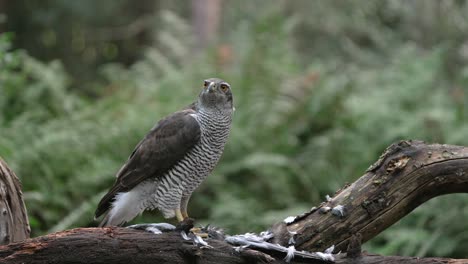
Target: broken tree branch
point(406, 175)
point(14, 224)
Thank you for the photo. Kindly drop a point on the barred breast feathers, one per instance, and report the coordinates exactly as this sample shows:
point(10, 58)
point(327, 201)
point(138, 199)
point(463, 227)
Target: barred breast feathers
point(190, 172)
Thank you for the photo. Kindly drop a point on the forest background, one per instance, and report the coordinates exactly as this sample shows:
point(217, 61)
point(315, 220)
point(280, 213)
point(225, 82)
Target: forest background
point(320, 87)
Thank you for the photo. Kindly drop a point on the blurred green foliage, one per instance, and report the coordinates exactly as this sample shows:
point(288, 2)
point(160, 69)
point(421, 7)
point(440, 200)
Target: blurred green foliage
point(321, 89)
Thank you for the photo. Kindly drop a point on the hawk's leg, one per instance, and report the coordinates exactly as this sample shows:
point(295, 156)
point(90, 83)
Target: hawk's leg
point(183, 205)
point(182, 217)
point(183, 208)
point(179, 215)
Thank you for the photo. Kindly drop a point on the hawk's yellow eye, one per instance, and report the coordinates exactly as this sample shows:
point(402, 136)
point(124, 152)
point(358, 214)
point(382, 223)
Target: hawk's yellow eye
point(205, 84)
point(224, 87)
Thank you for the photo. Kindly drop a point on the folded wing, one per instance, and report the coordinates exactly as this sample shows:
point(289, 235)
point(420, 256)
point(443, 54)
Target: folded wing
point(165, 145)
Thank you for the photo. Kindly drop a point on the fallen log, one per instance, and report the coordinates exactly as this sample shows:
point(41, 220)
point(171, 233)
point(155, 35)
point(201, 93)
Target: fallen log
point(123, 245)
point(406, 175)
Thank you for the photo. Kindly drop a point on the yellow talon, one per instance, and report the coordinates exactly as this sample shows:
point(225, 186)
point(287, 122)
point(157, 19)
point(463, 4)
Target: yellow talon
point(197, 231)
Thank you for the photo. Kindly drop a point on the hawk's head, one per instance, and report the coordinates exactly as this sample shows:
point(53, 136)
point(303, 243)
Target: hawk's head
point(216, 94)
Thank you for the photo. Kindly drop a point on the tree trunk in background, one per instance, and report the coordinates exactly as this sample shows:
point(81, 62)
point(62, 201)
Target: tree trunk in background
point(2, 15)
point(14, 224)
point(205, 20)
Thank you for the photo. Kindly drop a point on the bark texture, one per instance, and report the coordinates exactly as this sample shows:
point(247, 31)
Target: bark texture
point(14, 224)
point(406, 175)
point(122, 245)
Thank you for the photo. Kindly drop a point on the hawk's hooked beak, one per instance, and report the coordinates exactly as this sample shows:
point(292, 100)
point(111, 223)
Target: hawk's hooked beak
point(211, 87)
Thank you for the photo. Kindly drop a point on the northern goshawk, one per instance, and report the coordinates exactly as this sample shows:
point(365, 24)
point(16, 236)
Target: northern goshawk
point(172, 159)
